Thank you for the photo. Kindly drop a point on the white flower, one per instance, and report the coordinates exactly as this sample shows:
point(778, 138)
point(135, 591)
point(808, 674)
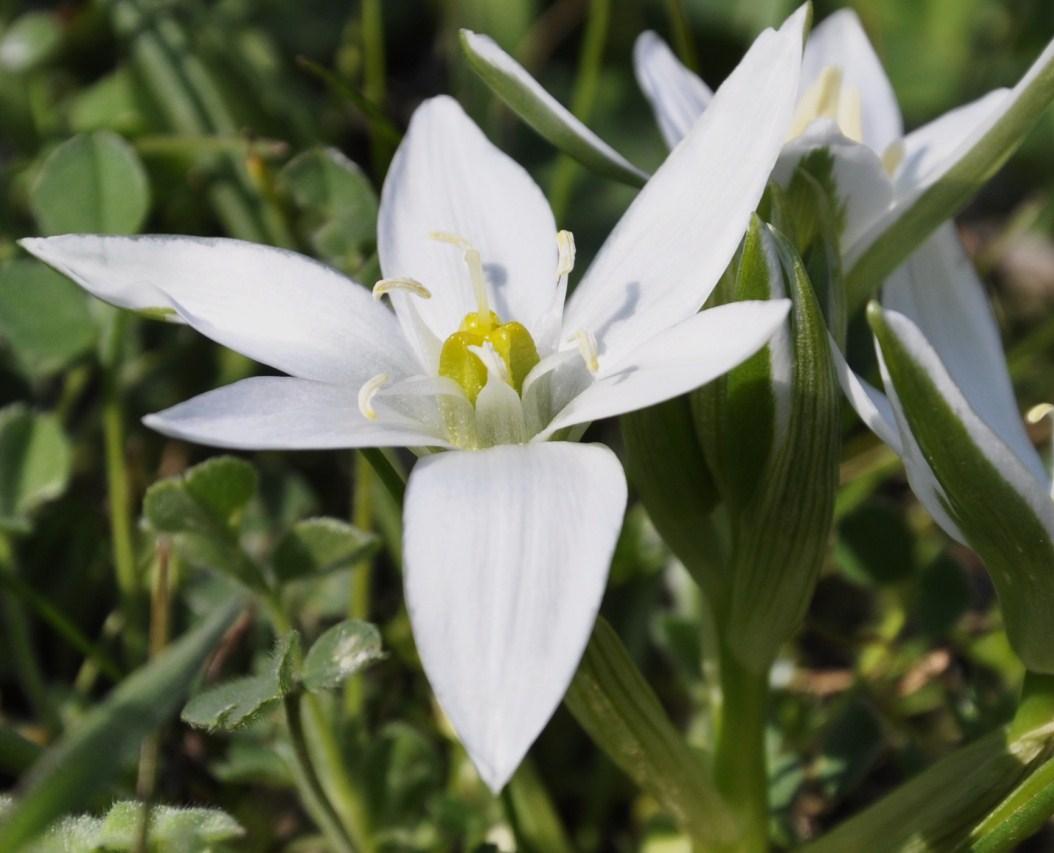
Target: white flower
point(509, 534)
point(846, 105)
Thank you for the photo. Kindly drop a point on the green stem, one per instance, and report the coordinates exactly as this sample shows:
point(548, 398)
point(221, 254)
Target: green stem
point(331, 763)
point(393, 481)
point(118, 491)
point(361, 574)
point(586, 87)
point(1036, 708)
point(323, 809)
point(739, 751)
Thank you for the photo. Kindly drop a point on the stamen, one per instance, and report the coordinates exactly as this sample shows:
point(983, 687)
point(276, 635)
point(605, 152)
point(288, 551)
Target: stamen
point(565, 244)
point(401, 285)
point(851, 114)
point(893, 156)
point(367, 392)
point(1034, 416)
point(475, 274)
point(587, 346)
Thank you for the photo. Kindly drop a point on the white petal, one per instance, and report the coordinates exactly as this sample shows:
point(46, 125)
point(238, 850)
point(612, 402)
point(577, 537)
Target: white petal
point(676, 361)
point(275, 306)
point(677, 96)
point(1004, 460)
point(928, 150)
point(447, 177)
point(543, 112)
point(507, 553)
point(864, 189)
point(666, 254)
point(283, 413)
point(884, 418)
point(840, 41)
point(870, 404)
point(939, 291)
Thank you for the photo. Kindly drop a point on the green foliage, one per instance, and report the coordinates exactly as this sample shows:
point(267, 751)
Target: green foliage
point(44, 318)
point(339, 205)
point(200, 511)
point(339, 653)
point(91, 183)
point(318, 545)
point(34, 464)
point(73, 770)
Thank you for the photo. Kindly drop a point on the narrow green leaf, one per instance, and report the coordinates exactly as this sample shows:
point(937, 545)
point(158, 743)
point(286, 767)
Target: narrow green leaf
point(34, 463)
point(318, 545)
point(88, 756)
point(937, 808)
point(525, 97)
point(91, 183)
point(618, 709)
point(44, 317)
point(339, 653)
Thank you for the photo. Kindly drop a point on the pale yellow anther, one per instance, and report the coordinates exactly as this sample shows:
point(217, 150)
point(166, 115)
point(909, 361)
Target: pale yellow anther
point(893, 156)
point(565, 245)
point(367, 392)
point(475, 274)
point(400, 284)
point(1038, 412)
point(850, 113)
point(829, 98)
point(587, 346)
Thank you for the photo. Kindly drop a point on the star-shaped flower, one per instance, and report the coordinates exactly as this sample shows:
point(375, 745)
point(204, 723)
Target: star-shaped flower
point(509, 527)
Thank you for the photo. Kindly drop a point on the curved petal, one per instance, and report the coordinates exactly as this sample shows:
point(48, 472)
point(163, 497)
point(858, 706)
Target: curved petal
point(283, 413)
point(939, 291)
point(670, 248)
point(275, 306)
point(840, 41)
point(677, 96)
point(676, 361)
point(862, 184)
point(447, 177)
point(990, 444)
point(525, 95)
point(882, 416)
point(506, 554)
point(927, 151)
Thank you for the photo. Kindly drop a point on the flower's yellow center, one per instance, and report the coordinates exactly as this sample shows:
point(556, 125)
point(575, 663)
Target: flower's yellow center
point(482, 328)
point(829, 97)
point(511, 341)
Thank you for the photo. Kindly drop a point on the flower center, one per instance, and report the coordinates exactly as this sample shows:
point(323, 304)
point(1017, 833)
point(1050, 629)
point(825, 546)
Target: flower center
point(829, 97)
point(482, 333)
